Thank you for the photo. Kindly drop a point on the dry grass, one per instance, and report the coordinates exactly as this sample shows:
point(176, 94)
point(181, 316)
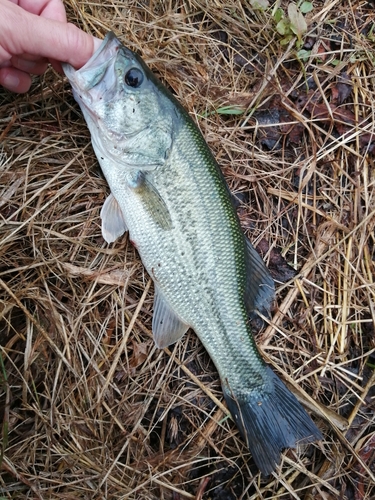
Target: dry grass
point(90, 408)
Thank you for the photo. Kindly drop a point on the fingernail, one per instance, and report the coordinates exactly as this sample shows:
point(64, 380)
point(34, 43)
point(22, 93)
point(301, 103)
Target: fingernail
point(11, 82)
point(97, 43)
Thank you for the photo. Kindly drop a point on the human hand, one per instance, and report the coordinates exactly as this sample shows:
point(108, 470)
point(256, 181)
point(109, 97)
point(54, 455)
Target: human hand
point(33, 33)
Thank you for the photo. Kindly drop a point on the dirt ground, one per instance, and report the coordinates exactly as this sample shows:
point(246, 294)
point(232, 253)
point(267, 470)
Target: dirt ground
point(90, 408)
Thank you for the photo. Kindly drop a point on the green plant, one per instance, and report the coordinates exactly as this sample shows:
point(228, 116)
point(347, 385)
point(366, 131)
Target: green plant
point(293, 23)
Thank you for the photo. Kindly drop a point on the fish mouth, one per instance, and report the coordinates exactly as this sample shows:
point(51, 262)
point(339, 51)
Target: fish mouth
point(97, 77)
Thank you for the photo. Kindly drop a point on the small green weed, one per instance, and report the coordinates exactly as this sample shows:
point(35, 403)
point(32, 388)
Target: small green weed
point(292, 23)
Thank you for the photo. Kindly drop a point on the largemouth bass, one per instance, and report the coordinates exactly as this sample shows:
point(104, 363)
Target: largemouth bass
point(169, 193)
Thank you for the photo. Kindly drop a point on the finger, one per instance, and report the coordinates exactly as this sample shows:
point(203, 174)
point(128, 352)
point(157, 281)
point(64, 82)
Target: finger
point(30, 64)
point(43, 37)
point(75, 46)
point(60, 41)
point(97, 43)
point(51, 9)
point(15, 80)
point(57, 65)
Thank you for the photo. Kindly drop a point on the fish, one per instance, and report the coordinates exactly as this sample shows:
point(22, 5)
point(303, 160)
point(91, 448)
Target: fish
point(168, 191)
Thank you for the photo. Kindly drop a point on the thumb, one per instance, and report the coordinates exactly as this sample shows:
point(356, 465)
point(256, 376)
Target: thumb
point(60, 41)
point(22, 32)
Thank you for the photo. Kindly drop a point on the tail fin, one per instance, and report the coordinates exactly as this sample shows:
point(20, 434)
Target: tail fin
point(270, 419)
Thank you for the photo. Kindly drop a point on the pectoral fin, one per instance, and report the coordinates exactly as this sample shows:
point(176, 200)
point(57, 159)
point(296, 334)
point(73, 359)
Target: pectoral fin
point(260, 287)
point(113, 222)
point(151, 200)
point(167, 328)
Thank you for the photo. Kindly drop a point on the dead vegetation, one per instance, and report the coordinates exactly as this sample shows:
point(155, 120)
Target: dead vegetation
point(90, 409)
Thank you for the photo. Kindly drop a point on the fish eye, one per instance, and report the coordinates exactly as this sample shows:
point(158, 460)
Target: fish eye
point(134, 78)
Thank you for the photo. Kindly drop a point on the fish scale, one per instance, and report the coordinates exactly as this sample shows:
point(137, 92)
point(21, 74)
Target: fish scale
point(169, 193)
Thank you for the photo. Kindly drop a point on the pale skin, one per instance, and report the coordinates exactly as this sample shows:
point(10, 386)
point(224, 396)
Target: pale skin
point(34, 33)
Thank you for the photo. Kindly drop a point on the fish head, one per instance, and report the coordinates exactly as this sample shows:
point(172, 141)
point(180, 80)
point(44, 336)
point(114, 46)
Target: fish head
point(127, 114)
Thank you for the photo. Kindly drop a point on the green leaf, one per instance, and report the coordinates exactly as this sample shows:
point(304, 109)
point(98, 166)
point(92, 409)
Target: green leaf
point(304, 55)
point(224, 110)
point(306, 7)
point(230, 110)
point(297, 21)
point(279, 14)
point(259, 4)
point(283, 27)
point(286, 40)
